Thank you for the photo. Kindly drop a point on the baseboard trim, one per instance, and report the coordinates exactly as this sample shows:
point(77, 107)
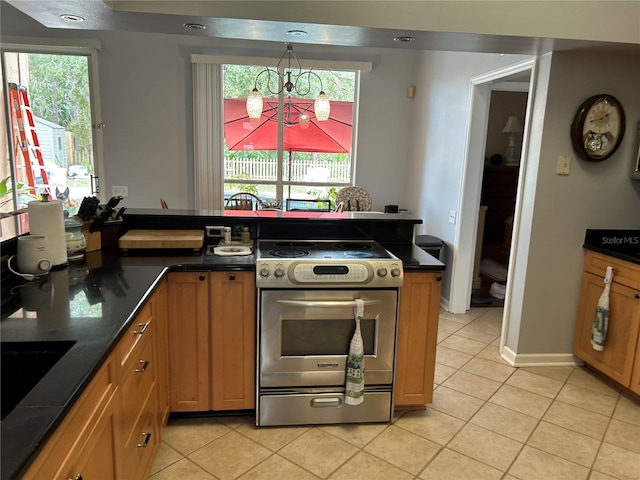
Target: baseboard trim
point(539, 359)
point(444, 303)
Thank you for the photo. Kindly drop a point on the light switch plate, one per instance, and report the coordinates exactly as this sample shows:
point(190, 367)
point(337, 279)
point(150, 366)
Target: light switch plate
point(119, 191)
point(452, 217)
point(564, 165)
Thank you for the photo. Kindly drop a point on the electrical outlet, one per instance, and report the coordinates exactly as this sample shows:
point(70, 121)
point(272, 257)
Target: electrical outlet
point(452, 217)
point(564, 165)
point(119, 191)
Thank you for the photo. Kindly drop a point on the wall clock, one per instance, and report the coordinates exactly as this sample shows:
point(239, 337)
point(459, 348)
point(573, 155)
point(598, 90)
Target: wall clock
point(598, 127)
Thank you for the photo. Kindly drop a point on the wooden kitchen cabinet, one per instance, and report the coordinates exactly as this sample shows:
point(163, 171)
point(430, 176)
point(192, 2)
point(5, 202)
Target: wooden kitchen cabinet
point(212, 325)
point(138, 430)
point(84, 444)
point(159, 309)
point(189, 361)
point(233, 339)
point(417, 339)
point(113, 430)
point(620, 358)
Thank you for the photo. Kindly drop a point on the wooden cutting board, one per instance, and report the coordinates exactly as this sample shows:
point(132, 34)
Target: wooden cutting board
point(162, 239)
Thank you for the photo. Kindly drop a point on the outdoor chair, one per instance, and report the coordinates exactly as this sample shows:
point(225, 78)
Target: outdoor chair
point(243, 201)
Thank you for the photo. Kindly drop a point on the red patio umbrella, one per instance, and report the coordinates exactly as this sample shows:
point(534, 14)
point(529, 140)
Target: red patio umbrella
point(330, 136)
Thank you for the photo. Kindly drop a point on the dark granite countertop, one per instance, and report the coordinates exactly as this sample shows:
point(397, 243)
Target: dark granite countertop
point(92, 303)
point(618, 243)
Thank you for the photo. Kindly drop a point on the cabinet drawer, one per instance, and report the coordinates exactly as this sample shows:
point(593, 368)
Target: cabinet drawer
point(136, 387)
point(626, 273)
point(139, 329)
point(138, 450)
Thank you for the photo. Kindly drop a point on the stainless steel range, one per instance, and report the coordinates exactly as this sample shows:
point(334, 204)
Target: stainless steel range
point(307, 292)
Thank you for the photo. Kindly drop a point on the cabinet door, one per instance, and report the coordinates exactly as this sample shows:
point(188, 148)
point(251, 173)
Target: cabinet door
point(97, 458)
point(233, 340)
point(616, 360)
point(159, 308)
point(635, 377)
point(417, 338)
point(84, 443)
point(188, 309)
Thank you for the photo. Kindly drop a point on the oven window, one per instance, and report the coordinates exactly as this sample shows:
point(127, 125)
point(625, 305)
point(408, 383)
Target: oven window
point(325, 336)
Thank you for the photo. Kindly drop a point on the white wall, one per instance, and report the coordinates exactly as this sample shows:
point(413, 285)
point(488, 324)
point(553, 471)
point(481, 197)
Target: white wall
point(386, 129)
point(146, 88)
point(438, 145)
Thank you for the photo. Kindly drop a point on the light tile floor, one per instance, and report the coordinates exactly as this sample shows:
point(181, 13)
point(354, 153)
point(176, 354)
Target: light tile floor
point(488, 420)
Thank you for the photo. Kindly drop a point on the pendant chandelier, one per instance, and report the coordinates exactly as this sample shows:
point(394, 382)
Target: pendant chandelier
point(292, 79)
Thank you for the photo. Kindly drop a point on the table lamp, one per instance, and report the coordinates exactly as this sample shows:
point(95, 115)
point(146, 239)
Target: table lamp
point(512, 128)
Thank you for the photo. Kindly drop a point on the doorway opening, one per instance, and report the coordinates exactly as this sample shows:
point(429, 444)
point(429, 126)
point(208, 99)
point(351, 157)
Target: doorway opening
point(469, 249)
point(503, 149)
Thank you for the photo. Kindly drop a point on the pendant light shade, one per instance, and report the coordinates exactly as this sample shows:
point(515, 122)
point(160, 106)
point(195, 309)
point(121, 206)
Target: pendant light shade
point(322, 107)
point(254, 104)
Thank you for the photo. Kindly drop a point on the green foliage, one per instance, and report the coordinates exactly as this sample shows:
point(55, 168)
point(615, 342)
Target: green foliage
point(59, 92)
point(7, 189)
point(242, 187)
point(239, 80)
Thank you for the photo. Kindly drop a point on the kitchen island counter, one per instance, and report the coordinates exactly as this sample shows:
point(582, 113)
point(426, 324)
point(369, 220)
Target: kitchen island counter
point(93, 302)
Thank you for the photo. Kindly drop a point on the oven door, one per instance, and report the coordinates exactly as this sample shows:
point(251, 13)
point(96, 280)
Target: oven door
point(305, 336)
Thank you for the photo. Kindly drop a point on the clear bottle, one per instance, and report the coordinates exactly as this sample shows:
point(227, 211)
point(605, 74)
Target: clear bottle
point(245, 236)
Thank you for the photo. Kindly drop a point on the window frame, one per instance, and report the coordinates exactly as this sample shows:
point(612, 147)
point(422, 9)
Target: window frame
point(89, 48)
point(208, 121)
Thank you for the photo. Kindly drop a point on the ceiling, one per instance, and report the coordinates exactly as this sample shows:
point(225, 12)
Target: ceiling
point(221, 19)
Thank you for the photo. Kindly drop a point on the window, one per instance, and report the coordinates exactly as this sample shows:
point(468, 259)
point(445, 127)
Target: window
point(56, 82)
point(314, 160)
point(223, 165)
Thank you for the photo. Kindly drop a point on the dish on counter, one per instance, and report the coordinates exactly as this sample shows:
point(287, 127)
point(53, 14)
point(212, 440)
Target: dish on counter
point(226, 250)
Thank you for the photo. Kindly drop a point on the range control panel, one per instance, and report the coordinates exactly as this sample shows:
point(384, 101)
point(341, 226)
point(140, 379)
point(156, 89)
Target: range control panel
point(322, 274)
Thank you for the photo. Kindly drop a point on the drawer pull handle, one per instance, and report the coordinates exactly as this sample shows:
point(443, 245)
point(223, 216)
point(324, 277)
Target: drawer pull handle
point(330, 402)
point(637, 296)
point(145, 364)
point(147, 437)
point(202, 278)
point(77, 477)
point(143, 328)
point(232, 277)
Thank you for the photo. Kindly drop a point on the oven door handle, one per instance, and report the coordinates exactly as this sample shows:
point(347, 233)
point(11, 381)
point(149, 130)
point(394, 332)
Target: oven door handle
point(325, 303)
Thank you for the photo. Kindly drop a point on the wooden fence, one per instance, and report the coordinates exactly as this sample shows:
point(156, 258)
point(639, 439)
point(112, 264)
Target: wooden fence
point(301, 170)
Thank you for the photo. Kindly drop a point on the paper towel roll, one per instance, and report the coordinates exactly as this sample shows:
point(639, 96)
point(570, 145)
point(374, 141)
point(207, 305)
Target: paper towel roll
point(46, 218)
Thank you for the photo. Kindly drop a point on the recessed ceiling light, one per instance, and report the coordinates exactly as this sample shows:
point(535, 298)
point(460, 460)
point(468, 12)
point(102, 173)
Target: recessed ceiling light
point(71, 18)
point(297, 33)
point(404, 39)
point(195, 26)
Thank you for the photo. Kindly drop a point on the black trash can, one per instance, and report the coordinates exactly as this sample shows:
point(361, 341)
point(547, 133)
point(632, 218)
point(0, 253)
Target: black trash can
point(432, 245)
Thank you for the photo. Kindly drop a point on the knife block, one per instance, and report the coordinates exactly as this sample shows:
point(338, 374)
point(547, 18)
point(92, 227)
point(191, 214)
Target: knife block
point(110, 233)
point(94, 240)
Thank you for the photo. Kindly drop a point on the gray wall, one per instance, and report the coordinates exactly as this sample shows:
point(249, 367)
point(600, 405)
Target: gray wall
point(556, 209)
point(594, 195)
